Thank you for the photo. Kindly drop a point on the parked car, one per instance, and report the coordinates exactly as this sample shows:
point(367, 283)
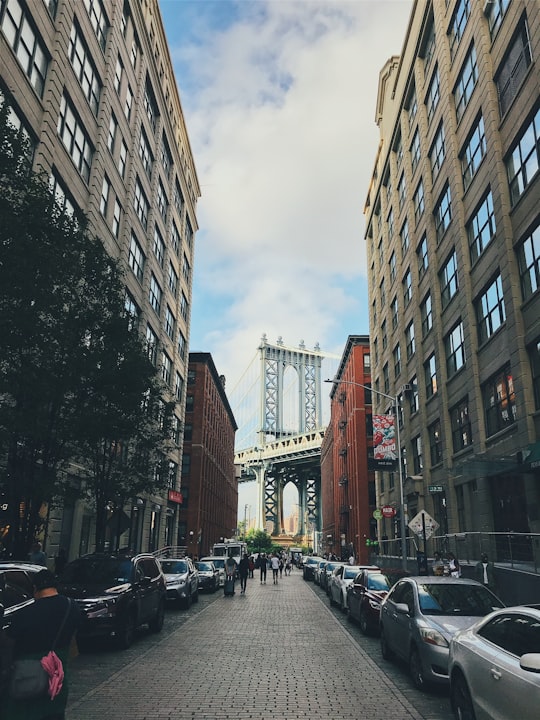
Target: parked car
point(219, 563)
point(182, 578)
point(364, 597)
point(328, 570)
point(16, 589)
point(308, 566)
point(340, 579)
point(208, 575)
point(319, 569)
point(420, 615)
point(116, 593)
point(495, 666)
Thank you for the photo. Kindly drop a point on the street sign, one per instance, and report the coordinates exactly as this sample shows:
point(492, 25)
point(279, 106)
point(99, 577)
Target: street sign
point(435, 488)
point(418, 528)
point(377, 514)
point(388, 511)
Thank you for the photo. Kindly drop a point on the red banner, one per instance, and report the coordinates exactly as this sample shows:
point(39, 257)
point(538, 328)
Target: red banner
point(384, 442)
point(175, 497)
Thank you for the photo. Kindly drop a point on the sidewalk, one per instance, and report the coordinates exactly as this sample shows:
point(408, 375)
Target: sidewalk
point(275, 653)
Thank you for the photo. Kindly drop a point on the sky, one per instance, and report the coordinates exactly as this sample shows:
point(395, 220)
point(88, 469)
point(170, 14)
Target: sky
point(279, 100)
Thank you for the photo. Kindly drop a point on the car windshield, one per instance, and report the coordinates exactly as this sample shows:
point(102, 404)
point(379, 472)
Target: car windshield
point(331, 566)
point(204, 566)
point(378, 582)
point(456, 599)
point(350, 573)
point(98, 571)
point(312, 561)
point(174, 567)
point(219, 563)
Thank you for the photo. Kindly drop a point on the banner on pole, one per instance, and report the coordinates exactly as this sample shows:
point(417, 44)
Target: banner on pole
point(384, 443)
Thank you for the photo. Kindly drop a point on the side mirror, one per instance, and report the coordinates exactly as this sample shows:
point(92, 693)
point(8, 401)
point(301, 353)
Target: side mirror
point(530, 662)
point(402, 608)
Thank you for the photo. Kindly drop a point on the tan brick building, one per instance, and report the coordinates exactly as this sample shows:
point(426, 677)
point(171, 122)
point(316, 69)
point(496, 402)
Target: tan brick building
point(453, 246)
point(92, 83)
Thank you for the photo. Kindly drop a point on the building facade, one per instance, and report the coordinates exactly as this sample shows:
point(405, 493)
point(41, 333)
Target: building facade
point(92, 84)
point(453, 246)
point(347, 487)
point(209, 490)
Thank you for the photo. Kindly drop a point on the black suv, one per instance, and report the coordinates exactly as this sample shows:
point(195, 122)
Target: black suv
point(16, 589)
point(116, 593)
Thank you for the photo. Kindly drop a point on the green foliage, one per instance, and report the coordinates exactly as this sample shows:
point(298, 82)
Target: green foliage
point(75, 380)
point(258, 541)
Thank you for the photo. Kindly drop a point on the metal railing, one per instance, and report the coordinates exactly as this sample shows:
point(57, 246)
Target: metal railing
point(520, 551)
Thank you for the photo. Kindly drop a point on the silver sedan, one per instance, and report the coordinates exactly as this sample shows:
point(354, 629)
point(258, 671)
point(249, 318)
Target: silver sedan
point(495, 667)
point(341, 578)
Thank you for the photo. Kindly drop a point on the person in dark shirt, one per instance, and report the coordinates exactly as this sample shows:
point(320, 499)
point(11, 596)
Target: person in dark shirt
point(243, 572)
point(33, 631)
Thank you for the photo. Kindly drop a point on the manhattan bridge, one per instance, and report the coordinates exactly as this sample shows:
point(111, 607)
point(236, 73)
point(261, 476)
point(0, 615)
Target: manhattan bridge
point(281, 415)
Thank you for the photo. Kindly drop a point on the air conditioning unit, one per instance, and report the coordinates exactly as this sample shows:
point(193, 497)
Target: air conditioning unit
point(406, 388)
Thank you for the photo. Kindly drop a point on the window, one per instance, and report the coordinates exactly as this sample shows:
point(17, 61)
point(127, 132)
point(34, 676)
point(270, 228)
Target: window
point(134, 53)
point(460, 423)
point(376, 350)
point(84, 68)
point(175, 238)
point(104, 201)
point(111, 137)
point(390, 223)
point(459, 21)
point(173, 467)
point(145, 153)
point(443, 213)
point(97, 16)
point(426, 313)
point(186, 269)
point(495, 11)
point(382, 293)
point(381, 252)
point(155, 294)
point(407, 288)
point(534, 358)
point(409, 340)
point(22, 38)
point(159, 246)
point(466, 83)
point(522, 165)
point(182, 346)
point(422, 252)
point(128, 105)
point(166, 367)
point(528, 253)
point(60, 196)
point(481, 227)
point(429, 46)
point(448, 278)
point(132, 311)
point(178, 198)
point(122, 160)
point(136, 258)
point(454, 346)
point(162, 201)
point(433, 96)
point(386, 379)
point(473, 153)
point(184, 307)
point(412, 106)
point(430, 372)
point(490, 312)
point(140, 204)
point(150, 107)
point(515, 634)
point(437, 152)
point(189, 233)
point(499, 401)
point(166, 159)
point(435, 443)
point(178, 387)
point(397, 361)
point(173, 279)
point(414, 402)
point(384, 335)
point(151, 345)
point(417, 456)
point(514, 68)
point(392, 264)
point(404, 237)
point(74, 138)
point(398, 149)
point(117, 214)
point(118, 73)
point(170, 322)
point(415, 151)
point(402, 191)
point(418, 201)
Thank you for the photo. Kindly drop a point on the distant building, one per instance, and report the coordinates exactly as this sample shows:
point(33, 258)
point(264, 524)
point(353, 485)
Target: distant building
point(347, 487)
point(209, 509)
point(453, 247)
point(92, 84)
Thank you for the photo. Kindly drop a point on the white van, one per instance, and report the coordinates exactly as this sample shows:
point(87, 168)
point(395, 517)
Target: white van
point(231, 548)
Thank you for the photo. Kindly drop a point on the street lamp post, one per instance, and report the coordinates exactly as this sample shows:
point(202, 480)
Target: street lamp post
point(395, 403)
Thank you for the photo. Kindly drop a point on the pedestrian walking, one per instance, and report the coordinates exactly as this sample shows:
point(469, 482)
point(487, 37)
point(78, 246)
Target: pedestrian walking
point(36, 555)
point(243, 572)
point(453, 566)
point(281, 567)
point(288, 566)
point(437, 567)
point(251, 566)
point(274, 562)
point(262, 567)
point(51, 620)
point(230, 575)
point(485, 572)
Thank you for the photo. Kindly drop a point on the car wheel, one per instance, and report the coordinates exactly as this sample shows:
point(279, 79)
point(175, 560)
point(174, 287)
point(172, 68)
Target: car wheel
point(417, 671)
point(364, 625)
point(341, 603)
point(156, 623)
point(385, 648)
point(460, 698)
point(196, 596)
point(187, 600)
point(126, 634)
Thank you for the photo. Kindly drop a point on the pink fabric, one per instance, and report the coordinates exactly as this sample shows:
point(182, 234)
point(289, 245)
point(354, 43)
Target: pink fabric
point(52, 665)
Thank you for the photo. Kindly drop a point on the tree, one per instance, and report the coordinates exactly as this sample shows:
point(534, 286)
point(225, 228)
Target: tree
point(74, 374)
point(258, 541)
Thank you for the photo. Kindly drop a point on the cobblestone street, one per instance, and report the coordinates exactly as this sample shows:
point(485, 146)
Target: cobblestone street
point(277, 652)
